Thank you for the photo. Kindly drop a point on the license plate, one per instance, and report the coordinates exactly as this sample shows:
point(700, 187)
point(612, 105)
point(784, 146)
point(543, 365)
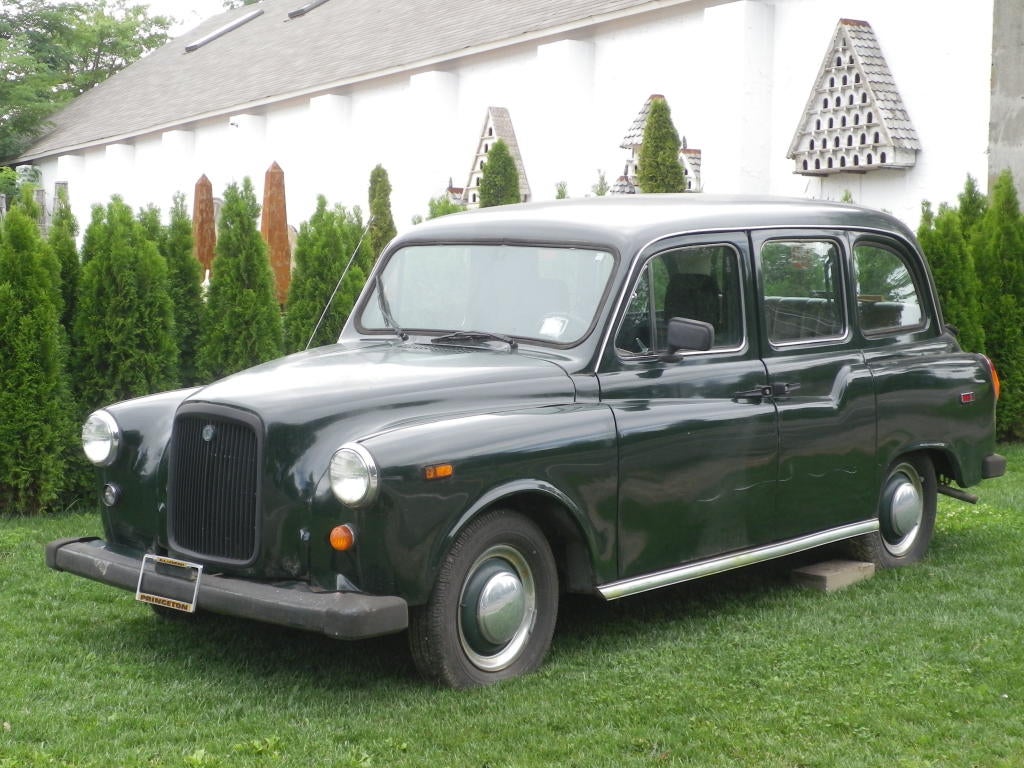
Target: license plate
point(178, 591)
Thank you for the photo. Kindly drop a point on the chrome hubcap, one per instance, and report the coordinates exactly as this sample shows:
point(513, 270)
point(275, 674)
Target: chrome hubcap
point(497, 608)
point(501, 607)
point(902, 510)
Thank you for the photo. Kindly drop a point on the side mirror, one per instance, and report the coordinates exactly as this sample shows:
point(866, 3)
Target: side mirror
point(689, 335)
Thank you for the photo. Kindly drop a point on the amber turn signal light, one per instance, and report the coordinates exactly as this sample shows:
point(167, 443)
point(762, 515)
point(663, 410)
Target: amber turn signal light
point(438, 471)
point(343, 538)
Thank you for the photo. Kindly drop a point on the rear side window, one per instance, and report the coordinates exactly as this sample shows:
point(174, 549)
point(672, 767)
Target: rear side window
point(803, 296)
point(696, 282)
point(888, 299)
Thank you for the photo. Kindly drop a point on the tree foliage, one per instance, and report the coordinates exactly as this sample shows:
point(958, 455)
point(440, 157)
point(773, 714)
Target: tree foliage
point(35, 411)
point(323, 249)
point(977, 250)
point(242, 323)
point(63, 231)
point(442, 206)
point(998, 242)
point(973, 204)
point(952, 262)
point(184, 284)
point(382, 222)
point(659, 169)
point(499, 181)
point(124, 329)
point(51, 52)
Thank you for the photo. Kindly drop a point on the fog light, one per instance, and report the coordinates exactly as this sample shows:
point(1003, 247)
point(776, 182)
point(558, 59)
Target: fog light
point(343, 538)
point(111, 494)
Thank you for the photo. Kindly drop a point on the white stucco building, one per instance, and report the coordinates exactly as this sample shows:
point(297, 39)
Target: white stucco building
point(331, 88)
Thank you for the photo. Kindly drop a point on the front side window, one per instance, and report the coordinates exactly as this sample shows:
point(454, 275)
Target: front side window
point(697, 283)
point(529, 292)
point(803, 298)
point(887, 296)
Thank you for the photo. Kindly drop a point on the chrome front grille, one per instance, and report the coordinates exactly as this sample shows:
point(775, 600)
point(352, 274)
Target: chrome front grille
point(213, 484)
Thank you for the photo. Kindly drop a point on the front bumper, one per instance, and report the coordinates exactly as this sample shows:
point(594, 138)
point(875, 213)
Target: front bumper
point(343, 615)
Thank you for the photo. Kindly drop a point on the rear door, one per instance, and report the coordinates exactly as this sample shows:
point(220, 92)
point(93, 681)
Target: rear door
point(697, 462)
point(820, 382)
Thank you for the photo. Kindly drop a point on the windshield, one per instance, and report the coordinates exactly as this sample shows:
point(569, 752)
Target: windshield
point(530, 292)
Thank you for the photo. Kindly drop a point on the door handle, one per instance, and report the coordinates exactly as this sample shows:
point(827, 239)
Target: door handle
point(767, 392)
point(761, 393)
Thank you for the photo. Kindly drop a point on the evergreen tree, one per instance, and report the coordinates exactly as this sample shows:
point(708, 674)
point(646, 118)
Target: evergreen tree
point(499, 182)
point(35, 406)
point(659, 168)
point(952, 264)
point(242, 323)
point(442, 206)
point(124, 329)
point(973, 205)
point(184, 284)
point(63, 231)
point(95, 234)
point(322, 251)
point(998, 243)
point(602, 187)
point(382, 224)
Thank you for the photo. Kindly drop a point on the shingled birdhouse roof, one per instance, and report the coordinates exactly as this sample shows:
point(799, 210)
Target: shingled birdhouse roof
point(854, 120)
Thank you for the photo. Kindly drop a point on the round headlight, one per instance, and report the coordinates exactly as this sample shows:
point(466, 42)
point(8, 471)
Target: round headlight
point(101, 439)
point(353, 475)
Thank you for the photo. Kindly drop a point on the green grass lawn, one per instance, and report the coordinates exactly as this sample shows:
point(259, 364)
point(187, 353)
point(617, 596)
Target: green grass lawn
point(918, 667)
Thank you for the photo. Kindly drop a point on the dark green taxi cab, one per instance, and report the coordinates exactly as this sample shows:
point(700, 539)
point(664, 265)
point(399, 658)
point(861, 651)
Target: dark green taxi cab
point(598, 396)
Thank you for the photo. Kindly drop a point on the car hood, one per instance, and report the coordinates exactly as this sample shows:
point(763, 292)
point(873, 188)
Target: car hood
point(374, 387)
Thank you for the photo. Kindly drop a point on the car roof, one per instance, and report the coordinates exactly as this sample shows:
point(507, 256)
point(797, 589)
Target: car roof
point(628, 222)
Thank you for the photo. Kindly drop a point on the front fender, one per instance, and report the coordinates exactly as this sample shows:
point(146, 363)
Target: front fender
point(565, 453)
point(140, 471)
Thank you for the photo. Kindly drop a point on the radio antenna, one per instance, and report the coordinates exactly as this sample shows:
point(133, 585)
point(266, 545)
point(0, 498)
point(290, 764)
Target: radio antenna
point(344, 272)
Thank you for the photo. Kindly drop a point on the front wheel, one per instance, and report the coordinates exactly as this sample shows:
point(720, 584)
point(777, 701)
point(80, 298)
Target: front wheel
point(492, 612)
point(906, 515)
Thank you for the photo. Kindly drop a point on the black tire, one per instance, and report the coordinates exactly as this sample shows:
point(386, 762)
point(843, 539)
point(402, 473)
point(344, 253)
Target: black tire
point(501, 561)
point(906, 515)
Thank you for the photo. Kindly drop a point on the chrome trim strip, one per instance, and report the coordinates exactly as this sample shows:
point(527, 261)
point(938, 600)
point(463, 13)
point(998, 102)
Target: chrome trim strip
point(638, 584)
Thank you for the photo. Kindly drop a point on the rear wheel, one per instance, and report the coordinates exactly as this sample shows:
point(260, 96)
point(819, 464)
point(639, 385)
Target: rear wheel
point(906, 515)
point(492, 612)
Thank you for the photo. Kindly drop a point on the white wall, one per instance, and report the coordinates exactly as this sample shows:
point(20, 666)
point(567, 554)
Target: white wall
point(736, 75)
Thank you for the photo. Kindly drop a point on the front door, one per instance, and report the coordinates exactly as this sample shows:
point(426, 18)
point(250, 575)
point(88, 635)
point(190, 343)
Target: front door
point(697, 458)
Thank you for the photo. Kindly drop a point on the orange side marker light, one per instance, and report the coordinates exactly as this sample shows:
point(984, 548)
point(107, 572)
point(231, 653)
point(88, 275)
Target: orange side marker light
point(438, 471)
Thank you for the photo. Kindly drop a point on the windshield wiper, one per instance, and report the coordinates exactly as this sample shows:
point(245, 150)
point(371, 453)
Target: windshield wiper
point(457, 336)
point(385, 310)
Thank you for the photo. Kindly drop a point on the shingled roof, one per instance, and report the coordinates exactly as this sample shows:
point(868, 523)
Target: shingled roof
point(279, 54)
point(854, 119)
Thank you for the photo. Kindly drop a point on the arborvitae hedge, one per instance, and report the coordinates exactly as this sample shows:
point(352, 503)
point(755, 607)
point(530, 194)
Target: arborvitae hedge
point(499, 181)
point(242, 323)
point(382, 224)
point(124, 330)
point(63, 231)
point(977, 257)
point(36, 426)
point(952, 263)
point(998, 242)
point(322, 250)
point(184, 284)
point(658, 167)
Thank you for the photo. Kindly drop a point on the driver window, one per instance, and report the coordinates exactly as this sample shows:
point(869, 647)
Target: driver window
point(698, 283)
